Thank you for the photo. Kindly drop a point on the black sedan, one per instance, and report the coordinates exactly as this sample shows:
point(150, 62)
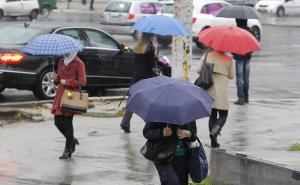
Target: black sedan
point(108, 63)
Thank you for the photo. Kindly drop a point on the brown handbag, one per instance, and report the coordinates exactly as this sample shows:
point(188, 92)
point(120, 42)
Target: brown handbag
point(74, 101)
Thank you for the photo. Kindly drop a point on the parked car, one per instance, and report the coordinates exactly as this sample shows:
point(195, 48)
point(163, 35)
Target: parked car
point(204, 17)
point(119, 15)
point(243, 2)
point(46, 6)
point(278, 7)
point(108, 63)
point(16, 8)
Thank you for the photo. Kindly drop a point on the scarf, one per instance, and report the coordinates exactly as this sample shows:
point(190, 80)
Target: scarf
point(68, 58)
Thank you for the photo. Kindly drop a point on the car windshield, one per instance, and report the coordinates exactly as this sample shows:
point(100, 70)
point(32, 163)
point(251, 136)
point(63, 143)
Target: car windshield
point(116, 6)
point(168, 8)
point(17, 35)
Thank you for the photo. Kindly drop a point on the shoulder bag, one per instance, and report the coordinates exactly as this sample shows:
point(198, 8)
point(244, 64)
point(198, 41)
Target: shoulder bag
point(205, 79)
point(160, 151)
point(197, 162)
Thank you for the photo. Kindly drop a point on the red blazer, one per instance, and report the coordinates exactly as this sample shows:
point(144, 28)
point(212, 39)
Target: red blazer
point(73, 73)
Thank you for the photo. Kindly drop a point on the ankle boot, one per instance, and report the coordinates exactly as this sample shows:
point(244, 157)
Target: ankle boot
point(214, 142)
point(66, 154)
point(73, 145)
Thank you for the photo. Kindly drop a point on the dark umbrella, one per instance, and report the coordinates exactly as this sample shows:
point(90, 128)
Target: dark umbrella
point(168, 100)
point(238, 12)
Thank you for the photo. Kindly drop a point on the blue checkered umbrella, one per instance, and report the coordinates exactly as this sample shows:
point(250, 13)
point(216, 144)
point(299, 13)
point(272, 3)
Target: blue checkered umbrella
point(52, 45)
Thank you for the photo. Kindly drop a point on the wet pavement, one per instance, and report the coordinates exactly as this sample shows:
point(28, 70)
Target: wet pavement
point(263, 129)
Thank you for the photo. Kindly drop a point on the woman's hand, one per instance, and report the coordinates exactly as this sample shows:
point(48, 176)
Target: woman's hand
point(63, 81)
point(167, 131)
point(183, 133)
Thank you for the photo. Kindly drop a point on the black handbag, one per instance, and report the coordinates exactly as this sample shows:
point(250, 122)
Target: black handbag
point(205, 79)
point(160, 151)
point(197, 162)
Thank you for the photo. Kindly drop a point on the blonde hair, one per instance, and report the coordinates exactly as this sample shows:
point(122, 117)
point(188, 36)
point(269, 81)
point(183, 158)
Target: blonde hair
point(143, 43)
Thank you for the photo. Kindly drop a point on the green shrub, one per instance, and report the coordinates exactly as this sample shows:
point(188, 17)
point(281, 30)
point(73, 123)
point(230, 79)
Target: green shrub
point(295, 147)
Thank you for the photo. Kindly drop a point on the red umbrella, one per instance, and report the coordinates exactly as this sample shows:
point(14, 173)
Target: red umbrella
point(229, 39)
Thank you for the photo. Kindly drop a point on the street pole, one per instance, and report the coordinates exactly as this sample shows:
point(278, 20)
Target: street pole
point(182, 46)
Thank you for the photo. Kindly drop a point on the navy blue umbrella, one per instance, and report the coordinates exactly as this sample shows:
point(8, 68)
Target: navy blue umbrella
point(168, 100)
point(161, 25)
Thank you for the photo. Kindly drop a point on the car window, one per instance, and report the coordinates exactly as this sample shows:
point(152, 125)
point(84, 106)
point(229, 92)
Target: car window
point(147, 8)
point(211, 9)
point(74, 33)
point(168, 8)
point(116, 6)
point(17, 35)
point(101, 40)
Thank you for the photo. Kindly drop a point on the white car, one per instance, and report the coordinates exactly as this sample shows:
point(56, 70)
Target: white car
point(15, 8)
point(119, 15)
point(278, 7)
point(204, 17)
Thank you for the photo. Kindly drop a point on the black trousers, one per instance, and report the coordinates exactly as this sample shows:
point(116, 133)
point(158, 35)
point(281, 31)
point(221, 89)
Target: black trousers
point(217, 117)
point(175, 173)
point(65, 126)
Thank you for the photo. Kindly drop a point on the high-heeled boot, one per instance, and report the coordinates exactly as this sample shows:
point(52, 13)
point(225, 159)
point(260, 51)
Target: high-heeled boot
point(73, 145)
point(215, 131)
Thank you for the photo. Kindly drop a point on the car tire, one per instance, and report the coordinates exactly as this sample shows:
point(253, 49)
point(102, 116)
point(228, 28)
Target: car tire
point(164, 41)
point(45, 10)
point(280, 12)
point(33, 15)
point(256, 32)
point(1, 14)
point(2, 89)
point(45, 88)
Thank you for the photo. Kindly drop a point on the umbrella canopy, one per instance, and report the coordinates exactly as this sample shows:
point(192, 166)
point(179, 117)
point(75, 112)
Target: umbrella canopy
point(238, 12)
point(161, 25)
point(52, 45)
point(168, 100)
point(229, 39)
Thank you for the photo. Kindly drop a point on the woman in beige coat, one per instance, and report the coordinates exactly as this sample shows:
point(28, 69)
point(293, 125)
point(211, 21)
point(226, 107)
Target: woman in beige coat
point(222, 72)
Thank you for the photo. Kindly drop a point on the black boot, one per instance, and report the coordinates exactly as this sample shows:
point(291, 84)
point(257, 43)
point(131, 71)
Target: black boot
point(73, 145)
point(67, 153)
point(214, 142)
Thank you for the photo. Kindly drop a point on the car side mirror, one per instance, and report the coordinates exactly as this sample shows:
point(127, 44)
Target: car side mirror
point(124, 48)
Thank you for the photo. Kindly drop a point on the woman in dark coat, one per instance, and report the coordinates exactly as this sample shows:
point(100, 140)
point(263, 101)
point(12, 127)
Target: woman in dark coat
point(144, 55)
point(70, 72)
point(175, 172)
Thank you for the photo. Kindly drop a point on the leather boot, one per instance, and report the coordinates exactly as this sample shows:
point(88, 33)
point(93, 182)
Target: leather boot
point(73, 145)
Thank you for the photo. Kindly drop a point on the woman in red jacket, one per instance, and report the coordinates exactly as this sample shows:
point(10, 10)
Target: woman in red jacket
point(70, 74)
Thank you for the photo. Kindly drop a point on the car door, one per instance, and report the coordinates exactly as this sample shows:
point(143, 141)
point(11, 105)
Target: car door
point(77, 34)
point(29, 5)
point(13, 7)
point(290, 6)
point(113, 67)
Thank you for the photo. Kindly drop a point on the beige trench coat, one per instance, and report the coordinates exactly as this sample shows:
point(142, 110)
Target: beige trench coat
point(222, 72)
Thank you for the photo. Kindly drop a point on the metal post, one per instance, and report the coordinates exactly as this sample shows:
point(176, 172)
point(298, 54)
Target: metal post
point(182, 46)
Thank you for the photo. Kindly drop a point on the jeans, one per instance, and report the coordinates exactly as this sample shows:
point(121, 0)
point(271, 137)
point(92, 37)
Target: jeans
point(175, 173)
point(126, 119)
point(242, 69)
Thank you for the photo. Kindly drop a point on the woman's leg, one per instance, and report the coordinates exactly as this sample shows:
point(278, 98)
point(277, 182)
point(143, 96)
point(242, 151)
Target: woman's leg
point(125, 124)
point(59, 123)
point(212, 119)
point(68, 126)
point(167, 174)
point(182, 170)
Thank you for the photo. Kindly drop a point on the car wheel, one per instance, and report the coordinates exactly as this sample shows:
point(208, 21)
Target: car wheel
point(45, 10)
point(33, 15)
point(45, 88)
point(165, 41)
point(280, 12)
point(1, 14)
point(2, 89)
point(256, 32)
point(158, 70)
point(136, 35)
